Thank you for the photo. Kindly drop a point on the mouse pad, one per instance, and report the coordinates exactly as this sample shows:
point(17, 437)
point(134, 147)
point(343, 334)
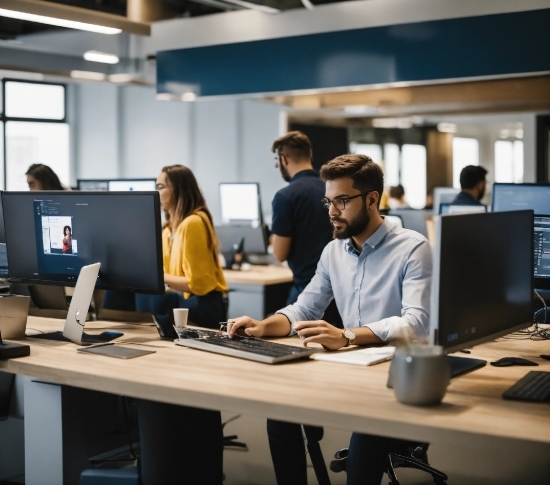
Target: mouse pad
point(116, 351)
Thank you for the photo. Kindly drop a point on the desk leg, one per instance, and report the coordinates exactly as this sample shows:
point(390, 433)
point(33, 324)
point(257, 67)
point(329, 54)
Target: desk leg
point(43, 434)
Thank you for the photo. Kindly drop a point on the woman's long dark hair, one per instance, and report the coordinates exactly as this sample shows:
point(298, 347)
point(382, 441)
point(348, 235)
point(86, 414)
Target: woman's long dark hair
point(46, 176)
point(65, 231)
point(187, 198)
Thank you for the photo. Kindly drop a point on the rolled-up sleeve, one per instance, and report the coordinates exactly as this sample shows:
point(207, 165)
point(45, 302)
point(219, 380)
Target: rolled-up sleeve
point(316, 297)
point(415, 302)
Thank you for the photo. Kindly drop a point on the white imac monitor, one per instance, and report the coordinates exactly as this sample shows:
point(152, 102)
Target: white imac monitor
point(448, 209)
point(443, 195)
point(240, 204)
point(118, 185)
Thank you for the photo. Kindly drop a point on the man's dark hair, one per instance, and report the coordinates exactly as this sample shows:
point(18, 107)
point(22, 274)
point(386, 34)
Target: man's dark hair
point(367, 176)
point(296, 144)
point(397, 192)
point(471, 175)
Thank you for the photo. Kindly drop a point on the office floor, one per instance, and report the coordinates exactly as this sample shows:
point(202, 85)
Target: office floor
point(471, 465)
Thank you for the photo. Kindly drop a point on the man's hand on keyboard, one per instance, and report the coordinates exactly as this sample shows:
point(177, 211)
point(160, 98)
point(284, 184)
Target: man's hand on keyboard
point(245, 326)
point(320, 332)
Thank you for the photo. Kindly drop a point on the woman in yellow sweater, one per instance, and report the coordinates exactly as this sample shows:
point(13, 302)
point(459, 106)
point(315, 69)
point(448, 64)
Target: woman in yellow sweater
point(189, 251)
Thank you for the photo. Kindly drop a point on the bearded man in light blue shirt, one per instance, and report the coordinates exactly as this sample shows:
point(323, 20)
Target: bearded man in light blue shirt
point(379, 277)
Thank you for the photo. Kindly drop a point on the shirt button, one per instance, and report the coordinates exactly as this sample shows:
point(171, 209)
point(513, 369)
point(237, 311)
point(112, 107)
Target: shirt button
point(357, 288)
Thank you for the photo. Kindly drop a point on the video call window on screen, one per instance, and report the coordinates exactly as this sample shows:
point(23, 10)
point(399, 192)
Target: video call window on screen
point(57, 234)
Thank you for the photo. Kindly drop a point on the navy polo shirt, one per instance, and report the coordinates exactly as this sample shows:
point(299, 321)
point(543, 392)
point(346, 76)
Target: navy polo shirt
point(299, 214)
point(464, 198)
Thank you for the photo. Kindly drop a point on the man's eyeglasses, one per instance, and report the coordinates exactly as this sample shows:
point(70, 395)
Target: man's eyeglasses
point(340, 202)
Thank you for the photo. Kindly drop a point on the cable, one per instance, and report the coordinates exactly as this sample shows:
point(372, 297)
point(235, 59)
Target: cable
point(541, 333)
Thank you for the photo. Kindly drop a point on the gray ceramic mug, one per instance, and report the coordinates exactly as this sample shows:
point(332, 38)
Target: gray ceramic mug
point(420, 374)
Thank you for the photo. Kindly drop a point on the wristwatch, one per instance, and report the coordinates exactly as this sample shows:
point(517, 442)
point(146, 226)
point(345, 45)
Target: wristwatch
point(349, 335)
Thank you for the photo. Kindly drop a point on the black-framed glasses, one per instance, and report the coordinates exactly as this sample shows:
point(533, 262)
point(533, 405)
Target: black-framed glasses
point(340, 202)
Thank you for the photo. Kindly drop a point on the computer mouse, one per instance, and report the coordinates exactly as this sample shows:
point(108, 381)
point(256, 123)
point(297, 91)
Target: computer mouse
point(509, 361)
point(545, 356)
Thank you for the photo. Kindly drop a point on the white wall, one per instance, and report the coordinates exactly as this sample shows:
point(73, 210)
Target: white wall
point(126, 132)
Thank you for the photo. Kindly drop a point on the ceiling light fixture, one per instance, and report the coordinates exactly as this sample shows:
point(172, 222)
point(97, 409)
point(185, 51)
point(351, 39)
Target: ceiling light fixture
point(121, 78)
point(89, 75)
point(188, 97)
point(96, 56)
point(446, 127)
point(70, 24)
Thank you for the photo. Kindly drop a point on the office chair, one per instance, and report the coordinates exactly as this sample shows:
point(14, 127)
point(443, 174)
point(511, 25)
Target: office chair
point(410, 457)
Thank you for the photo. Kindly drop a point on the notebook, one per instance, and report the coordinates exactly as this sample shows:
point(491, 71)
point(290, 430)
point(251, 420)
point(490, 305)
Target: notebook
point(368, 356)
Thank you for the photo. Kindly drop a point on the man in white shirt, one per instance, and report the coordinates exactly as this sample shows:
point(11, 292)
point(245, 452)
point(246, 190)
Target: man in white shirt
point(378, 275)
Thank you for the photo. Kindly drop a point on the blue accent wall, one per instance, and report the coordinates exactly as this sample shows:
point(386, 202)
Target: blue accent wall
point(489, 45)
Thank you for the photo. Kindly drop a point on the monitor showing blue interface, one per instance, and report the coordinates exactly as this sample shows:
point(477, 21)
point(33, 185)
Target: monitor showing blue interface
point(50, 236)
point(514, 197)
point(542, 250)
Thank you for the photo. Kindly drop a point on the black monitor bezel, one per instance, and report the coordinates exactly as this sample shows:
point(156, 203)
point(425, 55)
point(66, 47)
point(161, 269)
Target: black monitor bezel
point(434, 297)
point(158, 231)
point(113, 180)
point(511, 184)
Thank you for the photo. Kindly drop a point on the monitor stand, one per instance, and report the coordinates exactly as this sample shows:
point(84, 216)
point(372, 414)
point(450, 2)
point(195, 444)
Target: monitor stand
point(78, 309)
point(463, 365)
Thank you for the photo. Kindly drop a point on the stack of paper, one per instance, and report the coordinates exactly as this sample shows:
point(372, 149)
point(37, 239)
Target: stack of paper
point(369, 356)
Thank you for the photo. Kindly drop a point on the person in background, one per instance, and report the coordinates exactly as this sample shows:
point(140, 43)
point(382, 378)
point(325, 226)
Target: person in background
point(300, 227)
point(42, 177)
point(380, 278)
point(67, 240)
point(396, 198)
point(472, 183)
point(189, 253)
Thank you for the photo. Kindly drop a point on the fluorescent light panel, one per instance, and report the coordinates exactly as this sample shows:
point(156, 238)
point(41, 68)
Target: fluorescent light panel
point(89, 75)
point(70, 24)
point(96, 56)
point(121, 78)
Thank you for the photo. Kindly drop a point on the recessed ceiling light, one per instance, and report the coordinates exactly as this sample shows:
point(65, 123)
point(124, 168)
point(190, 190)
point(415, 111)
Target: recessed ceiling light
point(96, 56)
point(188, 97)
point(70, 24)
point(446, 127)
point(121, 78)
point(93, 76)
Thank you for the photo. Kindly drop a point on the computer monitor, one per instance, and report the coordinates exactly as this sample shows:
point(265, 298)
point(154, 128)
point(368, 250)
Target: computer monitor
point(240, 204)
point(412, 219)
point(120, 230)
point(4, 273)
point(542, 252)
point(482, 286)
point(2, 230)
point(443, 195)
point(513, 197)
point(254, 238)
point(118, 185)
point(449, 209)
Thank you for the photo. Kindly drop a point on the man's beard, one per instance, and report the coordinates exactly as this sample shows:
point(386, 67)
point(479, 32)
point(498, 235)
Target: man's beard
point(354, 227)
point(481, 194)
point(284, 173)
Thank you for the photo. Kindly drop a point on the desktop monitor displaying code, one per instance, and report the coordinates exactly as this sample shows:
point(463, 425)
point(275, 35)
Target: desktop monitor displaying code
point(542, 248)
point(50, 236)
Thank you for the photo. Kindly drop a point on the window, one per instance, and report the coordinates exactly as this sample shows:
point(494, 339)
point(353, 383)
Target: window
point(391, 164)
point(371, 150)
point(509, 161)
point(465, 152)
point(413, 175)
point(34, 131)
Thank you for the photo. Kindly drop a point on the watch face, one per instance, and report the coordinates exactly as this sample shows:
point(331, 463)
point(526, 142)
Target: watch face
point(349, 334)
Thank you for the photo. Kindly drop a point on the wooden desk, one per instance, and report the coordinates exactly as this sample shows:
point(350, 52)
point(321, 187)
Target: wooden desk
point(259, 291)
point(310, 392)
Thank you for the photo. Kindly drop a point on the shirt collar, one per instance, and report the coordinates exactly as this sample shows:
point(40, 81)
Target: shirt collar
point(304, 173)
point(385, 228)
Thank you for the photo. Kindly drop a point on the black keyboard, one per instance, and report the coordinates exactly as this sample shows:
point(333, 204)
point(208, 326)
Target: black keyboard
point(534, 387)
point(244, 347)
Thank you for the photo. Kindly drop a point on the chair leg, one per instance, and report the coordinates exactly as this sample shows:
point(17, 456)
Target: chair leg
point(439, 477)
point(317, 460)
point(391, 472)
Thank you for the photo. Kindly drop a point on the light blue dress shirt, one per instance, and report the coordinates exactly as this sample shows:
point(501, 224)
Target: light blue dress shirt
point(381, 287)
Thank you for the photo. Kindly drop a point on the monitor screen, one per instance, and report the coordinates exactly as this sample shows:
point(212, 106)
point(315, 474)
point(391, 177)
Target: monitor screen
point(412, 219)
point(254, 238)
point(542, 252)
point(51, 235)
point(240, 203)
point(515, 197)
point(118, 185)
point(2, 230)
point(3, 262)
point(448, 209)
point(443, 195)
point(482, 285)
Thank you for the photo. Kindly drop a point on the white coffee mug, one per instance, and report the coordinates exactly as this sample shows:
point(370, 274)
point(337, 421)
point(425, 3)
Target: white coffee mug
point(180, 317)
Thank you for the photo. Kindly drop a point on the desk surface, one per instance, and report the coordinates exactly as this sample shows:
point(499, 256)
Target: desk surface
point(312, 392)
point(259, 275)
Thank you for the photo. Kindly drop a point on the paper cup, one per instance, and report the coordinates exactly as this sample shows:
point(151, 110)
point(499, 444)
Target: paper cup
point(180, 317)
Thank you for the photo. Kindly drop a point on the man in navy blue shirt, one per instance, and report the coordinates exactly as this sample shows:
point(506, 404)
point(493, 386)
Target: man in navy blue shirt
point(300, 226)
point(472, 182)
